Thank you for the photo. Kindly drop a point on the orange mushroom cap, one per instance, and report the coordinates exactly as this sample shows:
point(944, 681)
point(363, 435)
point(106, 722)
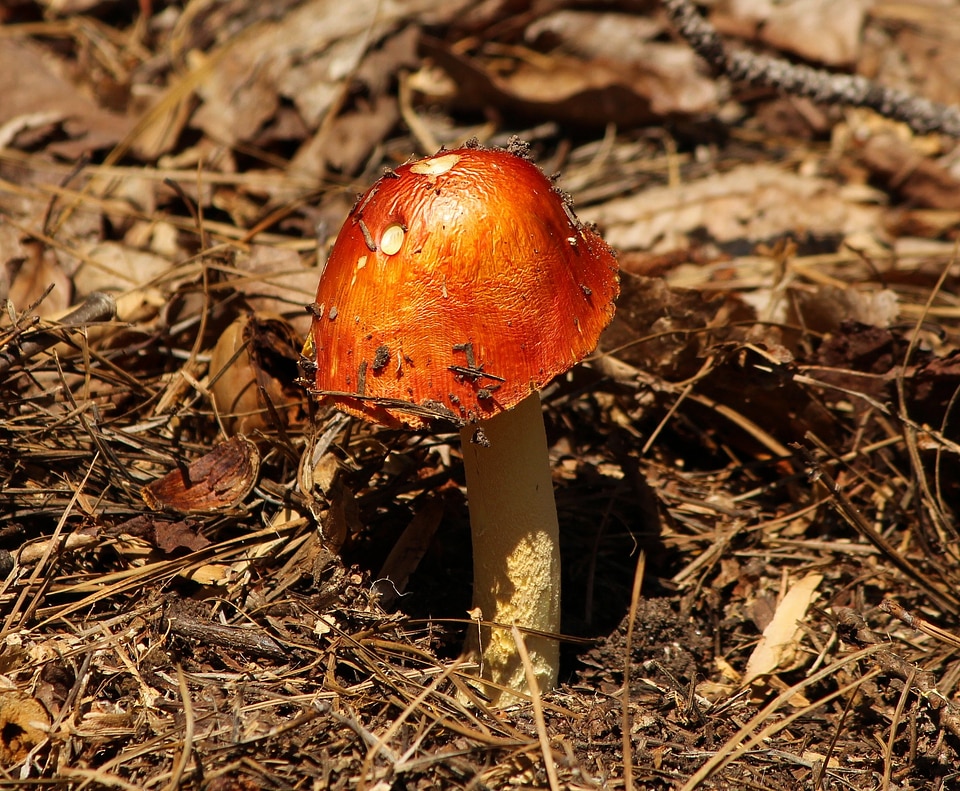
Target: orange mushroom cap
point(458, 285)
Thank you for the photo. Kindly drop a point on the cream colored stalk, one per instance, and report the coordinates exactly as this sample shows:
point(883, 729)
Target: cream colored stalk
point(516, 552)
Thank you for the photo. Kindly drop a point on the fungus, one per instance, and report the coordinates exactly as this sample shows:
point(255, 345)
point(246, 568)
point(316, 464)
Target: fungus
point(488, 286)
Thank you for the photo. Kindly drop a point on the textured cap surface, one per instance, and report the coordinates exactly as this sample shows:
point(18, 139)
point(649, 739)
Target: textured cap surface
point(458, 285)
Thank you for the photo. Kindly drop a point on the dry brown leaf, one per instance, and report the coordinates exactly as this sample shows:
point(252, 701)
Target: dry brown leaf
point(172, 537)
point(253, 370)
point(741, 18)
point(667, 75)
point(210, 574)
point(920, 180)
point(302, 57)
point(215, 482)
point(596, 34)
point(112, 266)
point(29, 85)
point(827, 31)
point(345, 144)
point(825, 308)
point(167, 536)
point(751, 202)
point(655, 326)
point(778, 647)
point(275, 281)
point(928, 36)
point(34, 275)
point(586, 92)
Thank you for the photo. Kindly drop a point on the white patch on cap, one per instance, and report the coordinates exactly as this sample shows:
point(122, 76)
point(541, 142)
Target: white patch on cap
point(391, 240)
point(361, 262)
point(435, 166)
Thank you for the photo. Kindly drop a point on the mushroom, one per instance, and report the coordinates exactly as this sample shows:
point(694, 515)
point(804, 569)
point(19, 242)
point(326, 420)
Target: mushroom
point(458, 287)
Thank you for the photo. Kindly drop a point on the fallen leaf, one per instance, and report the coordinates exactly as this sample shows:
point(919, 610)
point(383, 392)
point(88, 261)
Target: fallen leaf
point(167, 536)
point(656, 327)
point(828, 31)
point(177, 538)
point(34, 275)
point(218, 481)
point(926, 35)
point(113, 266)
point(345, 145)
point(750, 202)
point(253, 373)
point(826, 308)
point(210, 574)
point(584, 92)
point(302, 57)
point(29, 86)
point(920, 180)
point(778, 647)
point(275, 281)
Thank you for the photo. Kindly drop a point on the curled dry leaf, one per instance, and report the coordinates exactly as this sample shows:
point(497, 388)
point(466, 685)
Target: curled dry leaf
point(23, 725)
point(33, 276)
point(574, 90)
point(218, 481)
point(253, 369)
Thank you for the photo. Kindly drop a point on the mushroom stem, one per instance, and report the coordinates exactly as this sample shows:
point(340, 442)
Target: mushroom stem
point(516, 552)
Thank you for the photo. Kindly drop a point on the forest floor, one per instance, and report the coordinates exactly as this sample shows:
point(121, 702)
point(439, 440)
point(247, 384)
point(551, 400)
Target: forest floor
point(200, 580)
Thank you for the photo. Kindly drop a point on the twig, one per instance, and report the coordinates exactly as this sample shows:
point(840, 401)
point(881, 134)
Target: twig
point(923, 682)
point(97, 307)
point(894, 725)
point(858, 521)
point(920, 624)
point(921, 115)
point(626, 725)
point(188, 733)
point(534, 690)
point(748, 736)
point(246, 641)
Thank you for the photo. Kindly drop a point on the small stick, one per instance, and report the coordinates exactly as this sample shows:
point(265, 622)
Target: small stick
point(816, 472)
point(97, 307)
point(626, 721)
point(248, 641)
point(921, 115)
point(918, 623)
point(534, 689)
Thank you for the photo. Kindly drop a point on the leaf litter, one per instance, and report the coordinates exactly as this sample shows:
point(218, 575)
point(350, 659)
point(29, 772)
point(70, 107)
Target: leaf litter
point(209, 582)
